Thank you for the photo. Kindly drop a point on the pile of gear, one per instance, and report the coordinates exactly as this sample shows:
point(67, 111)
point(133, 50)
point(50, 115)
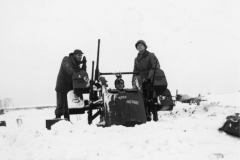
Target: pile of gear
point(232, 125)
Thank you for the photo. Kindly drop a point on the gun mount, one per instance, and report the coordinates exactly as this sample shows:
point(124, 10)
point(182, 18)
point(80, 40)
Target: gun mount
point(127, 107)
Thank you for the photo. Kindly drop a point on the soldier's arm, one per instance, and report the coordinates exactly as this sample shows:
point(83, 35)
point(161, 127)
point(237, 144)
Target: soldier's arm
point(134, 70)
point(153, 61)
point(66, 66)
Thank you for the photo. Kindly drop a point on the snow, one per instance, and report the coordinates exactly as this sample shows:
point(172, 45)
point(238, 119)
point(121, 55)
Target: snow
point(187, 132)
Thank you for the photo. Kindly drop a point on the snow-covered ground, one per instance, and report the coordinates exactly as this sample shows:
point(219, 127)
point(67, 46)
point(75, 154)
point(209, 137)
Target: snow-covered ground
point(189, 132)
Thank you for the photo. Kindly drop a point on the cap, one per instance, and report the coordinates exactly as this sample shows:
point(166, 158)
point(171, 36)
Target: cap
point(77, 51)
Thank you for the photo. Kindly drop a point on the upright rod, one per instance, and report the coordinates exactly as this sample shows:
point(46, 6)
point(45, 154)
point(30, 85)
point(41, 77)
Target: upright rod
point(97, 65)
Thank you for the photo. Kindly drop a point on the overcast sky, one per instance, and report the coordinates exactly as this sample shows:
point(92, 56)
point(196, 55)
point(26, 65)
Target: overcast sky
point(196, 41)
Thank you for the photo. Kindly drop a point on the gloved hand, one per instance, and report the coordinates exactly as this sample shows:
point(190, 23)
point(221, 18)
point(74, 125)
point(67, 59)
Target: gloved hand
point(84, 60)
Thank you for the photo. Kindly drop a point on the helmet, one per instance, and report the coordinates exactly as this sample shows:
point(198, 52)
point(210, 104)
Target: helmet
point(141, 41)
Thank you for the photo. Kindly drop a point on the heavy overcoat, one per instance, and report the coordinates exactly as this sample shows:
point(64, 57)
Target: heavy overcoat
point(64, 80)
point(144, 64)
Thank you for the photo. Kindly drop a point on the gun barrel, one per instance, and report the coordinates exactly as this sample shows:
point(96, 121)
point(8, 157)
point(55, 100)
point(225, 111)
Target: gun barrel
point(97, 65)
point(91, 96)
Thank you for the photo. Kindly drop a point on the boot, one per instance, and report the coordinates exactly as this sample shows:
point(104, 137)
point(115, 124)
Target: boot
point(67, 117)
point(101, 124)
point(155, 114)
point(101, 118)
point(58, 116)
point(148, 114)
point(149, 117)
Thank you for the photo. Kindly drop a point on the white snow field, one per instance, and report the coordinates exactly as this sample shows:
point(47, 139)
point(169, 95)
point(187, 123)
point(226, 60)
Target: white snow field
point(189, 132)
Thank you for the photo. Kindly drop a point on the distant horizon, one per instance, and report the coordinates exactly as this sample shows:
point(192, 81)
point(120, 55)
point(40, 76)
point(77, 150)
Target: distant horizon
point(46, 105)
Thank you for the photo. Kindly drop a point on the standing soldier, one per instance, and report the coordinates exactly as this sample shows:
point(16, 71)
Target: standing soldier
point(69, 65)
point(145, 63)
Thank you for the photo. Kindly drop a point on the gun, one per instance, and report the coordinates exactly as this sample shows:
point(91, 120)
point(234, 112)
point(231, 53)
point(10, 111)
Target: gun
point(91, 84)
point(96, 76)
point(97, 65)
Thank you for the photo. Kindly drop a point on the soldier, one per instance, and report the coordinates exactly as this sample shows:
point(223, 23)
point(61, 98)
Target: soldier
point(119, 82)
point(145, 63)
point(69, 65)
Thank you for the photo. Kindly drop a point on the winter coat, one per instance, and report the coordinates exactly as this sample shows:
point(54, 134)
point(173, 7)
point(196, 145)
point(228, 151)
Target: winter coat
point(64, 80)
point(145, 64)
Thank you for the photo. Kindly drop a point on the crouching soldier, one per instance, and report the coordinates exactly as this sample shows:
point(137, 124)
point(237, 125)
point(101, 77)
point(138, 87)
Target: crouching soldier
point(145, 64)
point(69, 65)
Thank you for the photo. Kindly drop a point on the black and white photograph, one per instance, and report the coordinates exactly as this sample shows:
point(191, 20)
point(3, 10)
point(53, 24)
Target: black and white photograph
point(119, 79)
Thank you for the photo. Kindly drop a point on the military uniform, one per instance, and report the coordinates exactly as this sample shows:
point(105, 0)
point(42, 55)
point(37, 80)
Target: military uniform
point(145, 64)
point(64, 84)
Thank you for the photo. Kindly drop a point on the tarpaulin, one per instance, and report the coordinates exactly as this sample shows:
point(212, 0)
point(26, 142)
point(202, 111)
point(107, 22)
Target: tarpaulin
point(232, 125)
point(124, 107)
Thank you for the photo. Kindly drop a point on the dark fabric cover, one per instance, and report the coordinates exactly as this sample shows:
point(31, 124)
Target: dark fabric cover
point(232, 125)
point(160, 79)
point(168, 100)
point(3, 123)
point(80, 83)
point(124, 107)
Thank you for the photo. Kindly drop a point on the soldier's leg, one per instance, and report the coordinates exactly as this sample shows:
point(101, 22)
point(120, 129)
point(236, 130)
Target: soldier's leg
point(62, 106)
point(65, 106)
point(147, 97)
point(59, 108)
point(149, 116)
point(148, 111)
point(154, 112)
point(154, 107)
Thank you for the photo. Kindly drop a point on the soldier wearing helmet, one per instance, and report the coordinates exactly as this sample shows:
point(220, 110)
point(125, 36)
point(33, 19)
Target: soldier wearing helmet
point(145, 63)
